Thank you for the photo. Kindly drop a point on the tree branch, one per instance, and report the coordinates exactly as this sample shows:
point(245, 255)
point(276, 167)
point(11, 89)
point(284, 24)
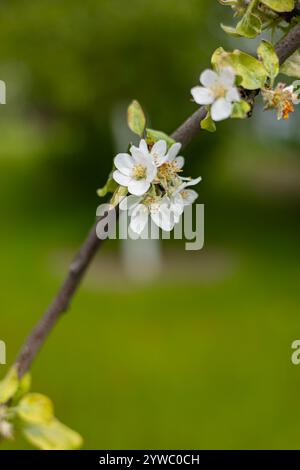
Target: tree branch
point(289, 44)
point(184, 134)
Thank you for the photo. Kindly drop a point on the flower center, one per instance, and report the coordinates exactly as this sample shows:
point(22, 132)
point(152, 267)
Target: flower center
point(219, 90)
point(168, 170)
point(139, 172)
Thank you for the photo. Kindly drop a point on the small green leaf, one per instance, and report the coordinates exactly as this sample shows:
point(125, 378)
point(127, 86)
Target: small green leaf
point(52, 436)
point(231, 30)
point(267, 54)
point(240, 110)
point(153, 136)
point(291, 67)
point(136, 118)
point(280, 6)
point(208, 124)
point(109, 187)
point(250, 26)
point(252, 72)
point(9, 385)
point(35, 408)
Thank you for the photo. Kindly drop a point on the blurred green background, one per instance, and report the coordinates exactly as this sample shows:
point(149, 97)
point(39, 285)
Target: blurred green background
point(200, 356)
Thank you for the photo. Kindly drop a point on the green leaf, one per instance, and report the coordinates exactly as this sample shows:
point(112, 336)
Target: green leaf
point(250, 26)
point(35, 408)
point(240, 110)
point(136, 118)
point(267, 54)
point(252, 72)
point(280, 6)
point(208, 124)
point(153, 136)
point(52, 436)
point(230, 30)
point(291, 67)
point(9, 385)
point(109, 187)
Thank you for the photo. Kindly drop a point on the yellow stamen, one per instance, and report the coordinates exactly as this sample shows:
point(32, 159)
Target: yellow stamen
point(139, 172)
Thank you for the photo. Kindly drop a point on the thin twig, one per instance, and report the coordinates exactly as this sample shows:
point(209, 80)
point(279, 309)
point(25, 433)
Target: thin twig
point(184, 134)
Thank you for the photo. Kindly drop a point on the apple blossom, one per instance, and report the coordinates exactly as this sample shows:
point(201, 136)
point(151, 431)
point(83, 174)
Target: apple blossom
point(219, 91)
point(135, 171)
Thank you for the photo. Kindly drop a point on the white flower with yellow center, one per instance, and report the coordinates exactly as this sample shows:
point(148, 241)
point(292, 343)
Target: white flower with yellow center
point(135, 171)
point(219, 91)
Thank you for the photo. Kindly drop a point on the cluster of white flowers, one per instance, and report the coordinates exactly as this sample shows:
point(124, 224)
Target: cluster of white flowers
point(218, 91)
point(151, 175)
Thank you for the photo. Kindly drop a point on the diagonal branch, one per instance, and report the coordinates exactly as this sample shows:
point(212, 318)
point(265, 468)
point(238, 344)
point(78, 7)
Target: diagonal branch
point(184, 134)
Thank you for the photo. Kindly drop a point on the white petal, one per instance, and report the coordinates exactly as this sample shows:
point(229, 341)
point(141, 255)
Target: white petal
point(139, 219)
point(151, 174)
point(137, 155)
point(233, 95)
point(163, 217)
point(179, 162)
point(208, 78)
point(193, 182)
point(202, 95)
point(159, 148)
point(221, 110)
point(129, 203)
point(227, 77)
point(177, 205)
point(189, 197)
point(158, 152)
point(174, 151)
point(151, 169)
point(124, 163)
point(121, 179)
point(289, 89)
point(143, 146)
point(138, 188)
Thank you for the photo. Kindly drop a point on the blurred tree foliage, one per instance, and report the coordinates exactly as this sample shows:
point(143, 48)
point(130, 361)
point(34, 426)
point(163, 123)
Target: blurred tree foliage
point(68, 63)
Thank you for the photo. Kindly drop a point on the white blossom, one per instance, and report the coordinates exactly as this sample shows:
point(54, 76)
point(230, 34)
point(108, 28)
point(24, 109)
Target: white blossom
point(156, 190)
point(135, 171)
point(219, 91)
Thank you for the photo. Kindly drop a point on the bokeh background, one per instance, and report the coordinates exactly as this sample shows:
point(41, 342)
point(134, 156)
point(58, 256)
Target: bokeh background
point(199, 356)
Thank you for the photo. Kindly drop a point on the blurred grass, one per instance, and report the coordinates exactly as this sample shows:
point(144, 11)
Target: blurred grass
point(186, 365)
